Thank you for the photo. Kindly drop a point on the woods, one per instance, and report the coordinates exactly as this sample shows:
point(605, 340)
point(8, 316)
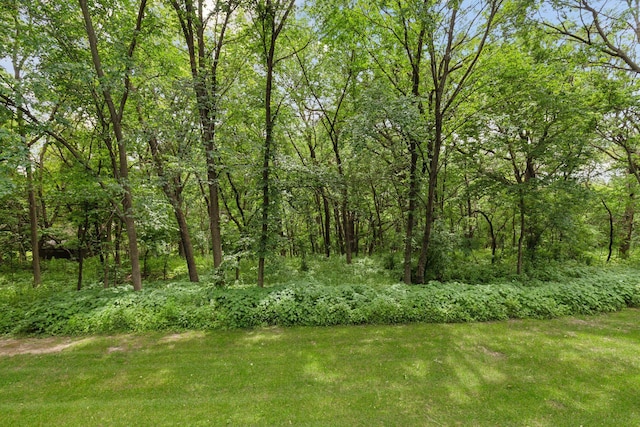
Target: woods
point(429, 133)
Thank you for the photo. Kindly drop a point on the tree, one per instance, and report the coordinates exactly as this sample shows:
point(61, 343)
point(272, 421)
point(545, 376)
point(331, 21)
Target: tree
point(609, 33)
point(12, 210)
point(330, 68)
point(269, 19)
point(22, 50)
point(610, 28)
point(172, 180)
point(402, 30)
point(452, 62)
point(205, 33)
point(536, 138)
point(116, 116)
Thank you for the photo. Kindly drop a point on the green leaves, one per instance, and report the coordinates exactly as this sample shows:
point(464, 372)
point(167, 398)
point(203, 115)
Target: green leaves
point(179, 306)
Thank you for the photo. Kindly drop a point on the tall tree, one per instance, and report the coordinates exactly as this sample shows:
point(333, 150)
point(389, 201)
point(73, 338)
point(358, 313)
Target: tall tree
point(270, 18)
point(402, 30)
point(456, 41)
point(428, 52)
point(172, 181)
point(21, 51)
point(329, 73)
point(534, 135)
point(205, 31)
point(116, 113)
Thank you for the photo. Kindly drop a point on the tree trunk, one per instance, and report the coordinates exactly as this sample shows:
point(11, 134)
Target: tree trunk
point(173, 193)
point(132, 237)
point(116, 117)
point(348, 230)
point(145, 265)
point(105, 251)
point(31, 196)
point(187, 246)
point(272, 29)
point(377, 224)
point(117, 248)
point(214, 206)
point(469, 213)
point(610, 230)
point(82, 237)
point(327, 225)
point(413, 195)
point(522, 235)
point(443, 97)
point(416, 61)
point(314, 224)
point(345, 214)
point(629, 215)
point(492, 234)
point(204, 75)
point(431, 201)
point(266, 160)
point(339, 231)
point(33, 226)
point(434, 163)
point(355, 227)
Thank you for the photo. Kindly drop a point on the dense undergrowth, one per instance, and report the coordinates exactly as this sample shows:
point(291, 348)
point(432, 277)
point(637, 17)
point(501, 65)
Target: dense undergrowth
point(323, 294)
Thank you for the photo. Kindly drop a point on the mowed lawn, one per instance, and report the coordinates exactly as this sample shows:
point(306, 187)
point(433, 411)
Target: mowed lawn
point(564, 372)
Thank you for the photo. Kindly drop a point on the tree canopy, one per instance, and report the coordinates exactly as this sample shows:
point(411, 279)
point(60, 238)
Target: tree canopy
point(503, 131)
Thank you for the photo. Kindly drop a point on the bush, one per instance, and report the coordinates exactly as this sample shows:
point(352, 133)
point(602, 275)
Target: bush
point(181, 306)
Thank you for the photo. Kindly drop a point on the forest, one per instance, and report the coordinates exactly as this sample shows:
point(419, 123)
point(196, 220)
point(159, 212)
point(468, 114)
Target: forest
point(232, 134)
point(319, 212)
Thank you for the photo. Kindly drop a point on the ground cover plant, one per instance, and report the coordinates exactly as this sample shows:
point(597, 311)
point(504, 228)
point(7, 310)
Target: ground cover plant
point(570, 371)
point(361, 293)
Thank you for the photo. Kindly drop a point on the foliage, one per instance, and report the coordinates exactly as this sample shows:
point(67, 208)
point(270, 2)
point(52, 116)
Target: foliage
point(426, 133)
point(182, 306)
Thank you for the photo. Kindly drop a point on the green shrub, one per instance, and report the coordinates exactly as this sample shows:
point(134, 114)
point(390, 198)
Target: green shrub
point(181, 306)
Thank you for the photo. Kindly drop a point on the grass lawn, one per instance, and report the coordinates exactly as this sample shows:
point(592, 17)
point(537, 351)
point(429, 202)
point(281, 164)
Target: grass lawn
point(564, 372)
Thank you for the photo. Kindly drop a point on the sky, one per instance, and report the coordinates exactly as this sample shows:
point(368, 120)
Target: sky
point(6, 64)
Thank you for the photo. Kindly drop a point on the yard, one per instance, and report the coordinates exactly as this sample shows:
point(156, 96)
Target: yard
point(570, 371)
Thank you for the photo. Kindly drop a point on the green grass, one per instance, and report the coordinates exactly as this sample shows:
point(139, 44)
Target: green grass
point(570, 371)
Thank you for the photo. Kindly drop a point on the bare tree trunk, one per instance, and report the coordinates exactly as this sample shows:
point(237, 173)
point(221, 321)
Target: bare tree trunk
point(413, 195)
point(327, 225)
point(33, 226)
point(629, 215)
point(610, 230)
point(522, 235)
